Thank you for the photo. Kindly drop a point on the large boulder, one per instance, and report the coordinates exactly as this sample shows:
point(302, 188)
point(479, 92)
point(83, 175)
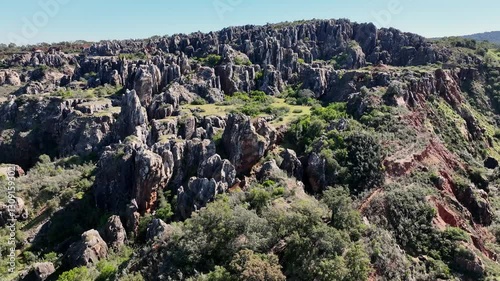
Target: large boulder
point(147, 83)
point(315, 170)
point(246, 142)
point(149, 179)
point(125, 172)
point(158, 229)
point(133, 119)
point(222, 171)
point(12, 210)
point(198, 193)
point(90, 249)
point(269, 171)
point(39, 272)
point(9, 77)
point(114, 233)
point(291, 164)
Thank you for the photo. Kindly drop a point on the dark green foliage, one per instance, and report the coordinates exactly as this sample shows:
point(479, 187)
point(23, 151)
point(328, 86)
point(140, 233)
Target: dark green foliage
point(242, 61)
point(493, 87)
point(255, 103)
point(249, 266)
point(76, 274)
point(297, 96)
point(259, 76)
point(212, 236)
point(410, 217)
point(199, 101)
point(307, 129)
point(364, 162)
point(344, 217)
point(107, 271)
point(143, 227)
point(164, 210)
point(211, 60)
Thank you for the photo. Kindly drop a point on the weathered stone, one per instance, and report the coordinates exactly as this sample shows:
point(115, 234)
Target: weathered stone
point(198, 193)
point(40, 272)
point(269, 171)
point(114, 233)
point(291, 164)
point(247, 142)
point(158, 229)
point(133, 119)
point(89, 250)
point(15, 210)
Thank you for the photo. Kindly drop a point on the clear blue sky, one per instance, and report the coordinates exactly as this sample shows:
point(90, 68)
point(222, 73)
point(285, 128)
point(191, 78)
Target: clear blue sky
point(25, 21)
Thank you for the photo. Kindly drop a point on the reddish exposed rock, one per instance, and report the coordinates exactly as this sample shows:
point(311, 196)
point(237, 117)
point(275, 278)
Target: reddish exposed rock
point(434, 154)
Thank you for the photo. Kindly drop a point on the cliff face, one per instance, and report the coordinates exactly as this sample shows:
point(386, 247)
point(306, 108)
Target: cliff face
point(270, 118)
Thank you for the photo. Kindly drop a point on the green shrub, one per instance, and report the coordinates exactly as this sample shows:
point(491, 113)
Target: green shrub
point(259, 198)
point(249, 266)
point(76, 274)
point(242, 61)
point(165, 213)
point(107, 271)
point(343, 216)
point(143, 227)
point(259, 75)
point(211, 60)
point(364, 162)
point(199, 101)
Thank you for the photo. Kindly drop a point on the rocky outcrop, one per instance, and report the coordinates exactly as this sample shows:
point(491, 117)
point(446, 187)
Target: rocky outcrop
point(149, 179)
point(147, 83)
point(128, 172)
point(39, 272)
point(247, 142)
point(13, 210)
point(132, 217)
point(315, 170)
point(165, 104)
point(51, 126)
point(183, 158)
point(89, 250)
point(222, 171)
point(470, 263)
point(9, 77)
point(85, 136)
point(159, 230)
point(269, 171)
point(198, 193)
point(476, 201)
point(133, 119)
point(291, 164)
point(206, 84)
point(114, 233)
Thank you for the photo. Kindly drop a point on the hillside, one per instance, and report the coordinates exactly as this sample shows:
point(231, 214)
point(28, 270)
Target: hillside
point(493, 37)
point(308, 150)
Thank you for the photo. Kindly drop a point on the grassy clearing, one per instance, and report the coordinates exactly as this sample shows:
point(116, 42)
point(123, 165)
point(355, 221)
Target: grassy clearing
point(7, 90)
point(222, 110)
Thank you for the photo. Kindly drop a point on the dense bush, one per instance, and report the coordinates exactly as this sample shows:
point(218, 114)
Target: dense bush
point(364, 162)
point(210, 60)
point(297, 96)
